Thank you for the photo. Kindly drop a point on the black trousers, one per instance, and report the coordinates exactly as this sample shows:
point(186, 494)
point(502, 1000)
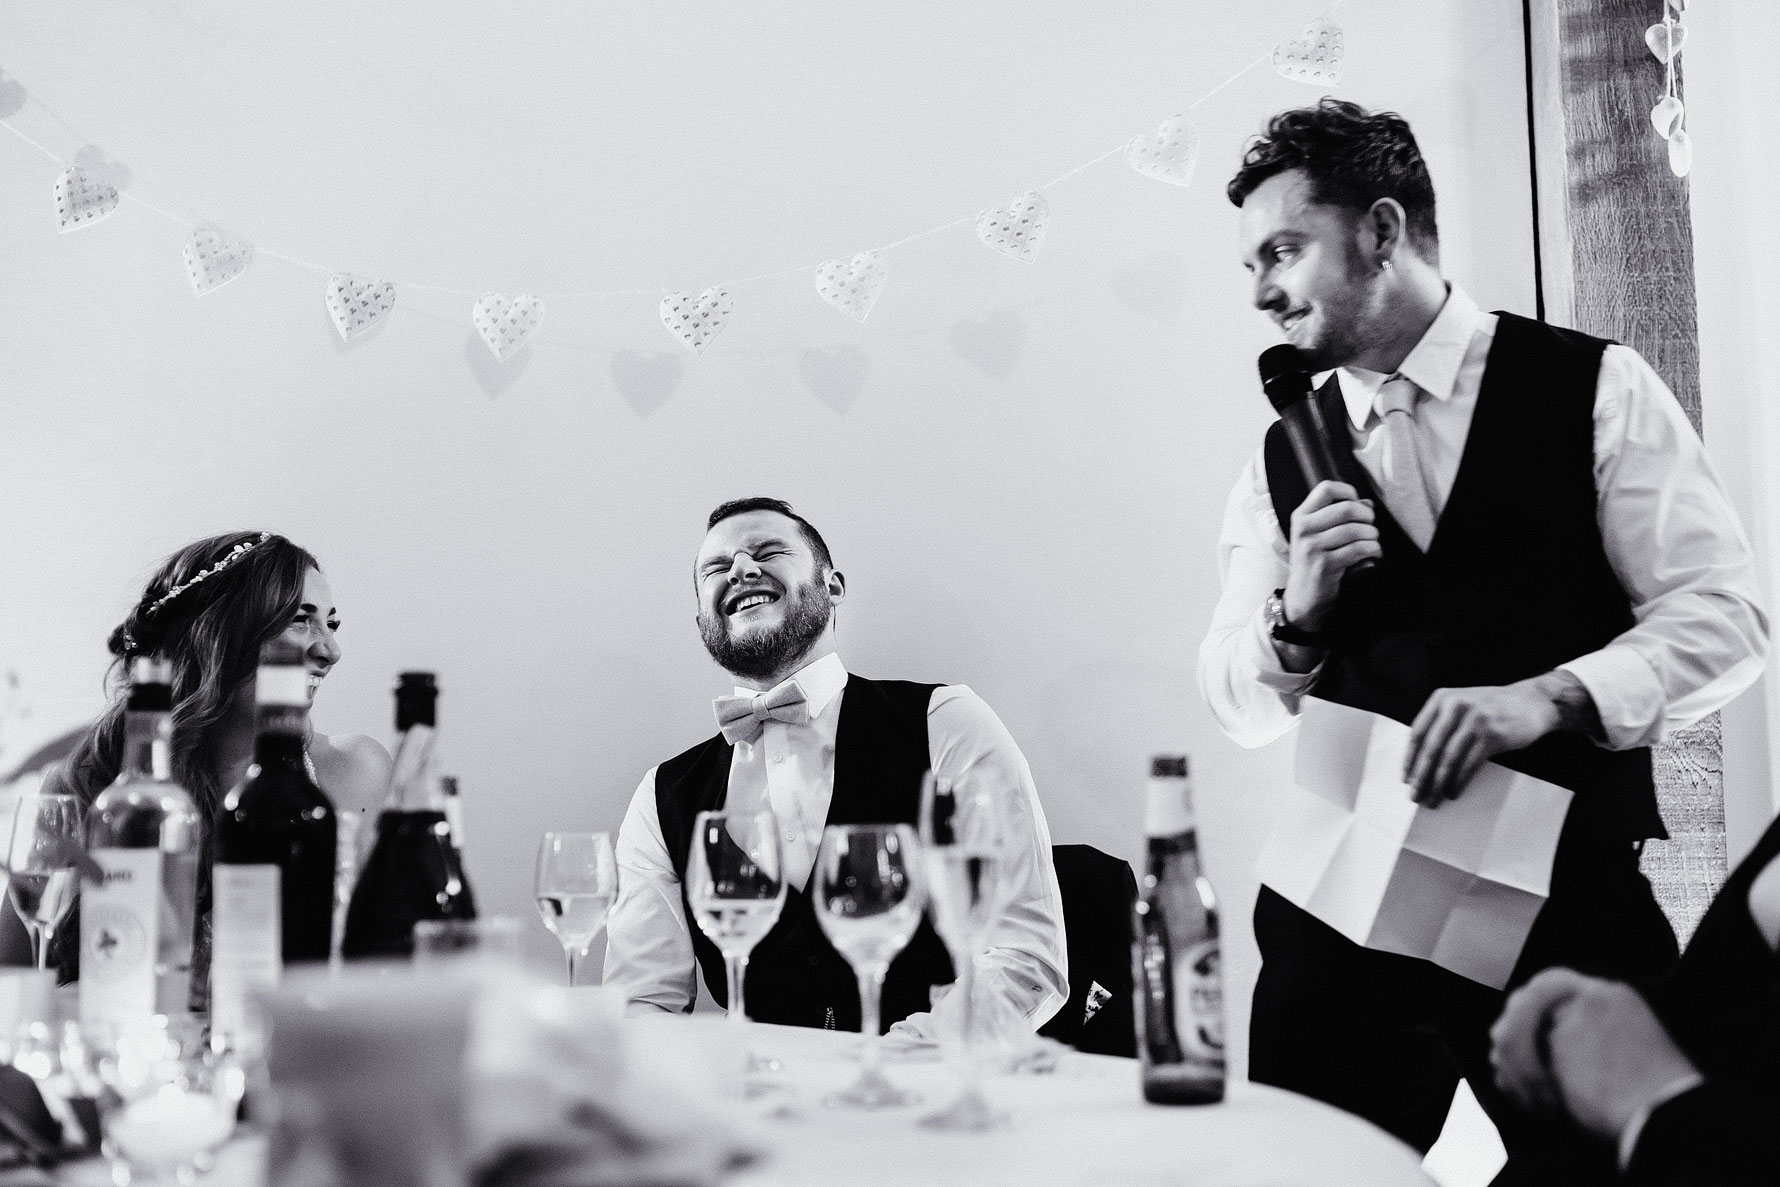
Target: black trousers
point(1388, 1037)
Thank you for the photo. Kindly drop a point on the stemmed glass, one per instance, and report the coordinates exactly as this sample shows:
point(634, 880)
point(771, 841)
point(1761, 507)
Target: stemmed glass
point(735, 883)
point(868, 902)
point(43, 856)
point(963, 845)
point(577, 881)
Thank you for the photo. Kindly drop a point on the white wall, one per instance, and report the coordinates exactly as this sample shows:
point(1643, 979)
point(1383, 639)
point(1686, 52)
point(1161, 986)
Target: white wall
point(1731, 94)
point(1023, 484)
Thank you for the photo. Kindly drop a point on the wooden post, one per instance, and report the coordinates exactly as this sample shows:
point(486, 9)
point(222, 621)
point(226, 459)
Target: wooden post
point(1615, 258)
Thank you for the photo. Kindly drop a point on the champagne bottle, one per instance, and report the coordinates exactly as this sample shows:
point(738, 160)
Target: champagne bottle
point(414, 871)
point(1175, 957)
point(143, 836)
point(273, 881)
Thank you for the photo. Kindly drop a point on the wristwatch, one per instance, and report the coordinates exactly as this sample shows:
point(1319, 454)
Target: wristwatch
point(1283, 630)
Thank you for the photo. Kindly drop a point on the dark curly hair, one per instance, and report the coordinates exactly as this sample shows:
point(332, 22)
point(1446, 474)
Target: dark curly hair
point(1352, 157)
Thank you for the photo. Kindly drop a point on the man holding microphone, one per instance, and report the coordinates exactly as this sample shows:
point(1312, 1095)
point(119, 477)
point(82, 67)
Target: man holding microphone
point(1556, 581)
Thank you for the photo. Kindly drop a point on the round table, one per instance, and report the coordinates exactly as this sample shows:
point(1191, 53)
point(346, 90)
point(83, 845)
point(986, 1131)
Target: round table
point(1084, 1125)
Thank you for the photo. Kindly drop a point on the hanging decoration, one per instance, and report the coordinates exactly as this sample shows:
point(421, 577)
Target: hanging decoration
point(1669, 117)
point(696, 318)
point(80, 200)
point(1314, 56)
point(506, 323)
point(1017, 228)
point(213, 258)
point(356, 305)
point(852, 286)
point(1167, 154)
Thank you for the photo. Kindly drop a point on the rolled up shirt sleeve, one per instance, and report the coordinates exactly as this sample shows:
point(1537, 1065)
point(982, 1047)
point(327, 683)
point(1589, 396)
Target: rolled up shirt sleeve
point(1674, 542)
point(649, 958)
point(1023, 973)
point(1254, 698)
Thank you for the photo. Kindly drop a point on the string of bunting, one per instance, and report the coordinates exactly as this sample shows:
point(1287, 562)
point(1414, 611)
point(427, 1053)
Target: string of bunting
point(1669, 117)
point(214, 257)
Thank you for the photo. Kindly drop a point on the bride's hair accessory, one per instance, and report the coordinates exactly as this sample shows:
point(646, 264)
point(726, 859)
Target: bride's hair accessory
point(234, 554)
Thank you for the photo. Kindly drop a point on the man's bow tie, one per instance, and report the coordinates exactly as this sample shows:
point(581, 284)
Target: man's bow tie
point(742, 718)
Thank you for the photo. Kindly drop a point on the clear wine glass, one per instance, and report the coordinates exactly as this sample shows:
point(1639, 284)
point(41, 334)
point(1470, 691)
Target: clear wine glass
point(964, 839)
point(735, 884)
point(868, 902)
point(44, 855)
point(576, 882)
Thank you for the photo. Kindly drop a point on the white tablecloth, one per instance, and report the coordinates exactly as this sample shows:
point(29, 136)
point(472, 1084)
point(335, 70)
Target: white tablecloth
point(1085, 1125)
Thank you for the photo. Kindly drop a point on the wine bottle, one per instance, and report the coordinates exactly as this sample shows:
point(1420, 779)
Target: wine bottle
point(414, 871)
point(273, 881)
point(139, 897)
point(1175, 962)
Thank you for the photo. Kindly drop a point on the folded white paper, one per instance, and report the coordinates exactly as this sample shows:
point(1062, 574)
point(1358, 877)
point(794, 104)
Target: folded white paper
point(1459, 885)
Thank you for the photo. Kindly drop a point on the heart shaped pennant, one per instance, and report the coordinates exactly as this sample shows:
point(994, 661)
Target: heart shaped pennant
point(1017, 228)
point(80, 200)
point(1167, 154)
point(852, 286)
point(213, 258)
point(1666, 115)
point(505, 323)
point(696, 318)
point(1680, 152)
point(1314, 56)
point(1665, 39)
point(356, 305)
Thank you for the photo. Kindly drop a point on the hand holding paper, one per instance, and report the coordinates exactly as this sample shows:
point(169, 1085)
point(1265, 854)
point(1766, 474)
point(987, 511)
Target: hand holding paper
point(1460, 887)
point(1459, 729)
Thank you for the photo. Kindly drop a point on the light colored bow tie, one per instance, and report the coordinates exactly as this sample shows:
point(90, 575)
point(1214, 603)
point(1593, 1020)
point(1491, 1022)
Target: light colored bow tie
point(742, 718)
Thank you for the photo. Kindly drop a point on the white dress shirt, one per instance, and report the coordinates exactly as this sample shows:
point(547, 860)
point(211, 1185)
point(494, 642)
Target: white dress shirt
point(1670, 534)
point(790, 768)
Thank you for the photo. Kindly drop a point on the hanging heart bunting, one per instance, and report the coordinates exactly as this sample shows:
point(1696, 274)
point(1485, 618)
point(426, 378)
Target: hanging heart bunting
point(852, 286)
point(505, 323)
point(1678, 7)
point(696, 318)
point(1665, 40)
point(1666, 115)
point(213, 258)
point(356, 305)
point(1167, 154)
point(1680, 152)
point(1017, 228)
point(1314, 56)
point(80, 200)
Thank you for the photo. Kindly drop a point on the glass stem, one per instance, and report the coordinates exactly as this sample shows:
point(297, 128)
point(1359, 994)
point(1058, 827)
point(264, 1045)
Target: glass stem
point(43, 936)
point(569, 951)
point(736, 966)
point(871, 985)
point(37, 945)
point(967, 979)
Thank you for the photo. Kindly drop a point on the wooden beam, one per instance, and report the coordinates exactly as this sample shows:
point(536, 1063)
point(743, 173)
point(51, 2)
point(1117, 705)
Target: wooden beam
point(1615, 252)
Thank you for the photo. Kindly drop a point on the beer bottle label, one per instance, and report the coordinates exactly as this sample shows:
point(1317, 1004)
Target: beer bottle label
point(119, 924)
point(1199, 1003)
point(247, 948)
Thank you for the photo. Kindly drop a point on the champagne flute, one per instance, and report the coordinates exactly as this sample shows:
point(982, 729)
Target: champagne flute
point(576, 882)
point(964, 840)
point(735, 884)
point(868, 902)
point(44, 855)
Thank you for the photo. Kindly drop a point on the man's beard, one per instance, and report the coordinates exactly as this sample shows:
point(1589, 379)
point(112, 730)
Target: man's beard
point(759, 654)
point(1348, 327)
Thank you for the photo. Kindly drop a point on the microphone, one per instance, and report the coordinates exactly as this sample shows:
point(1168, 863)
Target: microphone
point(1285, 377)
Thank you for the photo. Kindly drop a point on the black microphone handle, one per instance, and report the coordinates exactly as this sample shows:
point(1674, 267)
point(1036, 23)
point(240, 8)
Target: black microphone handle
point(1309, 437)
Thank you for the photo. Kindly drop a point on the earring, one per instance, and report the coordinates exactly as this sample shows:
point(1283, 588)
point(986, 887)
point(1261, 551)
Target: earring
point(1384, 265)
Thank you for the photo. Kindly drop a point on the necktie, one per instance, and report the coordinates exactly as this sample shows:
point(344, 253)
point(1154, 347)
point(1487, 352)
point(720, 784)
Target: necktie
point(1403, 488)
point(742, 718)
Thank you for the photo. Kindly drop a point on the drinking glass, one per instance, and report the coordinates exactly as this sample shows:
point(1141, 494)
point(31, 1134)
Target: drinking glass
point(43, 856)
point(167, 1098)
point(735, 883)
point(577, 881)
point(868, 902)
point(964, 840)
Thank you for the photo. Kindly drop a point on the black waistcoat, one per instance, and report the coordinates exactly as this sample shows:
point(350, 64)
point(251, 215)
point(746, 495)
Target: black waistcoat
point(1516, 580)
point(795, 977)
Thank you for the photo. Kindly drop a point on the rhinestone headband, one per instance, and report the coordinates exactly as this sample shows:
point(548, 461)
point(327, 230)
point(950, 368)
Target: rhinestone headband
point(234, 554)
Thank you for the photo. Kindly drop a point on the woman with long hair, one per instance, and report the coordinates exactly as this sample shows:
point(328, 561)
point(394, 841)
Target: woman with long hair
point(207, 610)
